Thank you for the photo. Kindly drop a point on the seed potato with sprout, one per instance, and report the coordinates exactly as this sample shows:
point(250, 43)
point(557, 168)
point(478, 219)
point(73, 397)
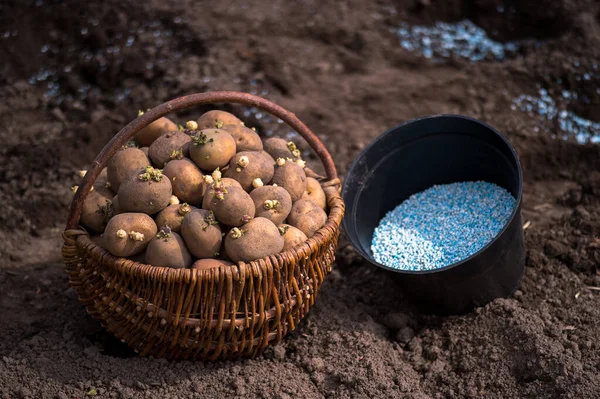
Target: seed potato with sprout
point(173, 216)
point(279, 148)
point(307, 216)
point(146, 191)
point(234, 207)
point(186, 179)
point(245, 139)
point(210, 191)
point(168, 249)
point(292, 237)
point(314, 192)
point(212, 148)
point(256, 239)
point(128, 234)
point(216, 119)
point(124, 163)
point(202, 233)
point(96, 212)
point(206, 264)
point(246, 166)
point(291, 177)
point(172, 145)
point(153, 131)
point(273, 203)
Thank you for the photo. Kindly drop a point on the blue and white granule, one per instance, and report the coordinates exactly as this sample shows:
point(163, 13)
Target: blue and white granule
point(548, 110)
point(461, 39)
point(441, 225)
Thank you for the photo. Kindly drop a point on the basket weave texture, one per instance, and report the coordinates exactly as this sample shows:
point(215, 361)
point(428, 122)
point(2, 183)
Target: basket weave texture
point(221, 313)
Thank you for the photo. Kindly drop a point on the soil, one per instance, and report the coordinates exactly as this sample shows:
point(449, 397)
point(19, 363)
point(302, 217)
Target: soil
point(340, 68)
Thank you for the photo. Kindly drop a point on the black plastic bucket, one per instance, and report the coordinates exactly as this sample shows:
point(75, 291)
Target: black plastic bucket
point(415, 156)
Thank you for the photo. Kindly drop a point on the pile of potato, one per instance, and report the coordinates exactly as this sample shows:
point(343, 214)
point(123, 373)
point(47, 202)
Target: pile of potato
point(203, 196)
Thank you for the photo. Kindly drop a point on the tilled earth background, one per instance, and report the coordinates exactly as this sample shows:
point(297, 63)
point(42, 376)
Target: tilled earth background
point(72, 73)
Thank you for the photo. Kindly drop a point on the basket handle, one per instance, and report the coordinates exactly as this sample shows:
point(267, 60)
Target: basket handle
point(183, 103)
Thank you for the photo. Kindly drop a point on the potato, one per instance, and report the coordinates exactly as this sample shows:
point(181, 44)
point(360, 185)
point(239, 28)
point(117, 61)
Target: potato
point(102, 185)
point(217, 119)
point(173, 215)
point(246, 166)
point(292, 236)
point(279, 148)
point(209, 195)
point(173, 145)
point(150, 133)
point(146, 191)
point(168, 249)
point(116, 208)
point(212, 148)
point(201, 233)
point(255, 240)
point(307, 217)
point(96, 212)
point(124, 163)
point(186, 180)
point(245, 139)
point(145, 150)
point(232, 206)
point(206, 264)
point(314, 192)
point(291, 177)
point(273, 203)
point(128, 234)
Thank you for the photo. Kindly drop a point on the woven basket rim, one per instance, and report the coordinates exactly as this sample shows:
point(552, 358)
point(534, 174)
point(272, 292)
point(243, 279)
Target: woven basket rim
point(239, 269)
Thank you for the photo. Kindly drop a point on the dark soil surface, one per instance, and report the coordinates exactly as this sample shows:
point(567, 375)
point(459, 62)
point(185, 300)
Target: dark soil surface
point(338, 66)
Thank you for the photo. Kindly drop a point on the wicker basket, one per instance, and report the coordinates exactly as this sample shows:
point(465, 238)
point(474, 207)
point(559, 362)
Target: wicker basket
point(221, 313)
